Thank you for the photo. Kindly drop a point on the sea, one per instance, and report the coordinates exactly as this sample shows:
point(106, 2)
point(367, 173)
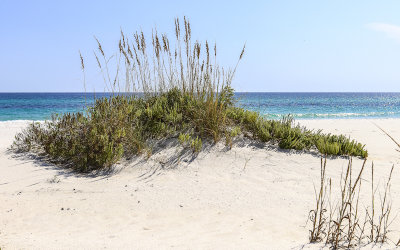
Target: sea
point(40, 106)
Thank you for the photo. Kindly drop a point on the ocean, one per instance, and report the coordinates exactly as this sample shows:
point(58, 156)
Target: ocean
point(40, 106)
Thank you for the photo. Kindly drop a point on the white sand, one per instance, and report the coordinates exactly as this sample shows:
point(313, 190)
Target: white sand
point(245, 198)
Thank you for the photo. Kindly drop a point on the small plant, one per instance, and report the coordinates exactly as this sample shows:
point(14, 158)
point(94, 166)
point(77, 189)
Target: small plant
point(55, 179)
point(317, 216)
point(384, 220)
point(196, 144)
point(184, 139)
point(235, 132)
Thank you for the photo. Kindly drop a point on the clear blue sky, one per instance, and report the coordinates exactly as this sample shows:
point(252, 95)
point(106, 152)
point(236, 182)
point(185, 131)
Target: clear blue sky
point(291, 45)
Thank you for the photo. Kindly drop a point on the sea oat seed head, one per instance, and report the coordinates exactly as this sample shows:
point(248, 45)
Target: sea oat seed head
point(82, 63)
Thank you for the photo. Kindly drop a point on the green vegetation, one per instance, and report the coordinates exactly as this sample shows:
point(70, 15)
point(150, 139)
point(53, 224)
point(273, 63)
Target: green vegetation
point(288, 135)
point(186, 95)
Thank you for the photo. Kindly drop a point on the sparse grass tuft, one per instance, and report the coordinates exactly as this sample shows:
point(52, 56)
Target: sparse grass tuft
point(340, 224)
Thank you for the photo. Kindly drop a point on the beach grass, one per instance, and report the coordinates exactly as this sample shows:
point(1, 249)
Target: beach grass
point(341, 222)
point(171, 90)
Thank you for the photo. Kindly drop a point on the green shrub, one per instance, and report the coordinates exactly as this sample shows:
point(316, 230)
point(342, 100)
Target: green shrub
point(121, 126)
point(291, 136)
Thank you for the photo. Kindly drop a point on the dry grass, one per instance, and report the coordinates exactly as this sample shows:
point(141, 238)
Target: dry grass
point(162, 64)
point(342, 224)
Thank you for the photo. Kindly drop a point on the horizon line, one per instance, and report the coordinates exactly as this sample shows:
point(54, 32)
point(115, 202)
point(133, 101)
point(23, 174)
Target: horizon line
point(77, 92)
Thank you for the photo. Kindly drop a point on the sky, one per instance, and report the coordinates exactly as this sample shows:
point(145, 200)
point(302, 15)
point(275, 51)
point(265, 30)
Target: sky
point(291, 46)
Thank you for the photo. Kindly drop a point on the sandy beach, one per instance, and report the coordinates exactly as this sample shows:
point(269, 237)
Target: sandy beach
point(249, 197)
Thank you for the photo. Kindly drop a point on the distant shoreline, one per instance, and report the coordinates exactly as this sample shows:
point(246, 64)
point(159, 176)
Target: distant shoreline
point(272, 105)
point(102, 93)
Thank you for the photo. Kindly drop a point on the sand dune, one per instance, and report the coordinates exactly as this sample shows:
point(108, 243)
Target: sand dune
point(250, 197)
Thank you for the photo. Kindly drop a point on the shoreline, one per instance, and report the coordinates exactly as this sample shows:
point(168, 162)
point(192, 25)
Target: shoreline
point(247, 197)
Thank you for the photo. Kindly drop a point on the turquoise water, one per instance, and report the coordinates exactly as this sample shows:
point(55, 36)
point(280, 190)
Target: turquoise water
point(323, 105)
point(40, 106)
